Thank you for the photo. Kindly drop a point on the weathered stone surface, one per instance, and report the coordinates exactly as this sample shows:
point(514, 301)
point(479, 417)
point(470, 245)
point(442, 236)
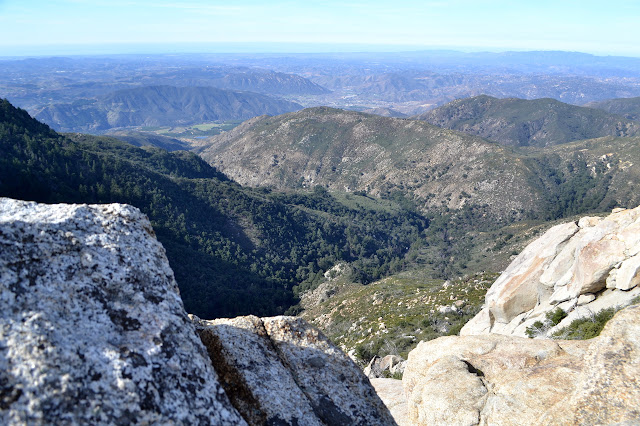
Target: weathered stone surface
point(336, 388)
point(628, 275)
point(567, 262)
point(593, 264)
point(516, 290)
point(391, 393)
point(609, 388)
point(490, 379)
point(507, 380)
point(458, 402)
point(586, 298)
point(92, 328)
point(453, 388)
point(259, 385)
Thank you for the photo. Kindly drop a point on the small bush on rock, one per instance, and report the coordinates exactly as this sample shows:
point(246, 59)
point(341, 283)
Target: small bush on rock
point(552, 318)
point(586, 328)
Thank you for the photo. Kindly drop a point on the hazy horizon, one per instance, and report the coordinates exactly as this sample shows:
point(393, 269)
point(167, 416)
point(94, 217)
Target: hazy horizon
point(84, 27)
point(225, 48)
point(248, 48)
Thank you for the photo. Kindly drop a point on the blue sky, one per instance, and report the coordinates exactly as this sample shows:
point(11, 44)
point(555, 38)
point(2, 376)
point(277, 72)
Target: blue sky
point(592, 26)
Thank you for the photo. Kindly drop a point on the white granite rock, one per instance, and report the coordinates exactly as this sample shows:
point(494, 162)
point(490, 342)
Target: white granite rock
point(556, 270)
point(516, 290)
point(507, 380)
point(628, 275)
point(586, 298)
point(92, 327)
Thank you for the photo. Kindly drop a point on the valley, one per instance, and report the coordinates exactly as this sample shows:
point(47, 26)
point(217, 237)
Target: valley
point(375, 195)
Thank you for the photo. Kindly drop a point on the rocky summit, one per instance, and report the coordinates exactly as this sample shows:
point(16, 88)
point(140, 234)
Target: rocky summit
point(93, 331)
point(579, 267)
point(92, 326)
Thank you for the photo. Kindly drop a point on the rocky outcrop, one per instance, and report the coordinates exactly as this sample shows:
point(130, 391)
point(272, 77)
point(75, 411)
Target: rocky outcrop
point(581, 267)
point(388, 365)
point(93, 331)
point(92, 328)
point(491, 375)
point(509, 380)
point(280, 370)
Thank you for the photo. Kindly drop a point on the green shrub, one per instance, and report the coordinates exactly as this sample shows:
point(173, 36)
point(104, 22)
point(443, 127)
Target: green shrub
point(586, 328)
point(535, 330)
point(555, 316)
point(552, 318)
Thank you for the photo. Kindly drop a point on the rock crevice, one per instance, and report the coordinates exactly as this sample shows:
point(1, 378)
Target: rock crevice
point(289, 372)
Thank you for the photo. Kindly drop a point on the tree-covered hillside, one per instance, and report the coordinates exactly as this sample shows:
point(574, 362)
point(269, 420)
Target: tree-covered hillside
point(238, 250)
point(234, 250)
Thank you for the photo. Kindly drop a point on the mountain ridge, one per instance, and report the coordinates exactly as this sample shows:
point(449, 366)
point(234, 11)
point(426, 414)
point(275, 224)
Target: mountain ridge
point(437, 168)
point(520, 122)
point(234, 250)
point(627, 107)
point(160, 105)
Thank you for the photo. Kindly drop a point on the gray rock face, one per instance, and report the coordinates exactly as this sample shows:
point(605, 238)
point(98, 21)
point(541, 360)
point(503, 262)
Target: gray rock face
point(581, 268)
point(280, 370)
point(256, 380)
point(508, 380)
point(92, 327)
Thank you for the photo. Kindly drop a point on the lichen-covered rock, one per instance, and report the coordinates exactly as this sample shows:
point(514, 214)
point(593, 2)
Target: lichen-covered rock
point(284, 371)
point(580, 268)
point(495, 379)
point(252, 373)
point(338, 390)
point(92, 327)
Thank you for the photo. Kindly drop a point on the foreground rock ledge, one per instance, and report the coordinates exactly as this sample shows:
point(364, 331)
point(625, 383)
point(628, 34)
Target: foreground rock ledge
point(281, 370)
point(92, 327)
point(93, 331)
point(506, 380)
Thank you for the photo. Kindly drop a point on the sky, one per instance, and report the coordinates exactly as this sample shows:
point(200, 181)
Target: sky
point(29, 27)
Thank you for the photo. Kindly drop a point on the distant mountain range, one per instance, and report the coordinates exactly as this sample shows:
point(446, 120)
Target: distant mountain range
point(406, 193)
point(160, 106)
point(627, 107)
point(439, 168)
point(521, 122)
